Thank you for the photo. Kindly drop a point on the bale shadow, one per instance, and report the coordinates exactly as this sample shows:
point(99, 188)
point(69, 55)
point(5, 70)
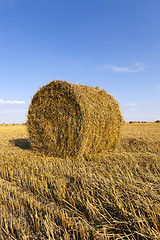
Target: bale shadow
point(22, 143)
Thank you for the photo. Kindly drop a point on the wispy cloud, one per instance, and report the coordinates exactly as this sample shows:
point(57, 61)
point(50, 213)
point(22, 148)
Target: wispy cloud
point(158, 87)
point(134, 110)
point(1, 113)
point(136, 67)
point(131, 107)
point(11, 102)
point(130, 104)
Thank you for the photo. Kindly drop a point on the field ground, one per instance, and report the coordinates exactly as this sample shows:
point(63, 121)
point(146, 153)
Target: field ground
point(114, 195)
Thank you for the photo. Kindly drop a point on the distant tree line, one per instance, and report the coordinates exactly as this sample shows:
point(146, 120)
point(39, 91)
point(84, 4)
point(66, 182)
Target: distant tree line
point(157, 121)
point(137, 121)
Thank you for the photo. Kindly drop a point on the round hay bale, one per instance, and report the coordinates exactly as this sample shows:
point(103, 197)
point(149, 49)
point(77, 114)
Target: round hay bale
point(68, 119)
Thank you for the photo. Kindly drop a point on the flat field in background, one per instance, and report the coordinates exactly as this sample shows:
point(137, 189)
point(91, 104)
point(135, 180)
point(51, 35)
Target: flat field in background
point(114, 195)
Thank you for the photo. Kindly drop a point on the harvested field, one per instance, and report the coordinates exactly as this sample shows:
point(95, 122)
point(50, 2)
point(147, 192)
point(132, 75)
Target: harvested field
point(112, 195)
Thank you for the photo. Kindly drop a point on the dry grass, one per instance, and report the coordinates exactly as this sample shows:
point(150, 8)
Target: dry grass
point(109, 196)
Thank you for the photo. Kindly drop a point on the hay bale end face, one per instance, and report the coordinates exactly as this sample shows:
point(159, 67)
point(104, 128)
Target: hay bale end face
point(68, 119)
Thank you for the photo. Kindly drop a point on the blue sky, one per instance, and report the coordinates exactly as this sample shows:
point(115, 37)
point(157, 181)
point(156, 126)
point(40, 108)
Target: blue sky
point(113, 44)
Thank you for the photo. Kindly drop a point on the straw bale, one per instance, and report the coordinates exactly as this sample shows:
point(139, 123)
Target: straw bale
point(68, 120)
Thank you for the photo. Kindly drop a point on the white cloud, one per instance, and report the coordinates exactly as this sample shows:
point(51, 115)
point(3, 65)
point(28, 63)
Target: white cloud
point(11, 102)
point(130, 104)
point(134, 110)
point(136, 67)
point(3, 113)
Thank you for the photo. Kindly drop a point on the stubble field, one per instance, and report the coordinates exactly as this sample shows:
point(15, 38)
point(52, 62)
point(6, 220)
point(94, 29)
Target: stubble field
point(111, 196)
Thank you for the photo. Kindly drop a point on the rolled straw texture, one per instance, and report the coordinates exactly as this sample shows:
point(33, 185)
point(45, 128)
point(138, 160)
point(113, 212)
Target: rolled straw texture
point(68, 120)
